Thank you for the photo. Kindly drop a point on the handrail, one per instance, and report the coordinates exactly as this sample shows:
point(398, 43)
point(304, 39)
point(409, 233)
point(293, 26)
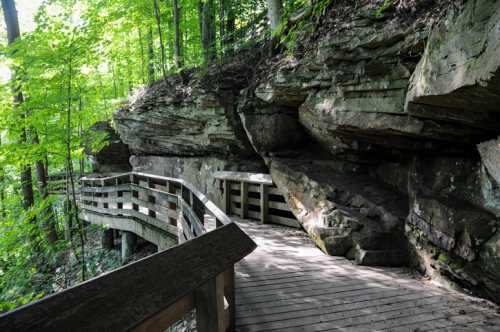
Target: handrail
point(153, 293)
point(214, 209)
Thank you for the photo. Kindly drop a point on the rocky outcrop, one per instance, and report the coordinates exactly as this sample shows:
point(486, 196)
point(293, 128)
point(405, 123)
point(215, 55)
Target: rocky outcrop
point(344, 210)
point(188, 115)
point(106, 150)
point(458, 77)
point(381, 130)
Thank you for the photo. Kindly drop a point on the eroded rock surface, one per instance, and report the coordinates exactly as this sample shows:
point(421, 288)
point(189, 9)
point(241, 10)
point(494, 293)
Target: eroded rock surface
point(346, 212)
point(188, 115)
point(460, 69)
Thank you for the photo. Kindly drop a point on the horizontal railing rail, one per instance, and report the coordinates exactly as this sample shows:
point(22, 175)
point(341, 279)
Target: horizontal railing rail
point(153, 293)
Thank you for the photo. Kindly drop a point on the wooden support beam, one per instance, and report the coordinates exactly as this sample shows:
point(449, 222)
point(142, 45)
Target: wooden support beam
point(244, 200)
point(209, 302)
point(229, 295)
point(227, 196)
point(129, 241)
point(264, 203)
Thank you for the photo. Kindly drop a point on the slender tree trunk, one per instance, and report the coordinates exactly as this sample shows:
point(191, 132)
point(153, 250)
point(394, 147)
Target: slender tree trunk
point(13, 33)
point(177, 40)
point(222, 25)
point(160, 34)
point(151, 56)
point(208, 31)
point(115, 89)
point(275, 10)
point(49, 219)
point(3, 213)
point(81, 161)
point(69, 162)
point(143, 61)
point(230, 28)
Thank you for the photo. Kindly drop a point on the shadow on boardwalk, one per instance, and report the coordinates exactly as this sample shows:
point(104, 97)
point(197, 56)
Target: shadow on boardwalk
point(288, 284)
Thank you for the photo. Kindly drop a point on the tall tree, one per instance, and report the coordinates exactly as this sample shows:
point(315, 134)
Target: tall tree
point(13, 33)
point(151, 56)
point(207, 24)
point(177, 39)
point(222, 24)
point(230, 30)
point(160, 35)
point(274, 12)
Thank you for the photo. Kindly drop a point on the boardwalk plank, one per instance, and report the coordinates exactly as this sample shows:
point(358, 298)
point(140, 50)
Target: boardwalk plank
point(288, 284)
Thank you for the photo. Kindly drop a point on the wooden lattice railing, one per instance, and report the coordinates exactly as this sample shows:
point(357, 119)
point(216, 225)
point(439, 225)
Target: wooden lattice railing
point(153, 293)
point(254, 196)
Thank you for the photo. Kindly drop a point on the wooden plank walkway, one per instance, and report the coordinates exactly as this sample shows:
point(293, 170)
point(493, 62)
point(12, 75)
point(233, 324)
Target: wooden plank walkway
point(288, 284)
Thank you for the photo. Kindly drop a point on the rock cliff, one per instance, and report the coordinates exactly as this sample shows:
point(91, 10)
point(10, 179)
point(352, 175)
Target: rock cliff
point(380, 127)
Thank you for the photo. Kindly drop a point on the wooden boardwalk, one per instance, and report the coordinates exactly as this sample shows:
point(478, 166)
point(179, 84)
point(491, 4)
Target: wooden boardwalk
point(288, 284)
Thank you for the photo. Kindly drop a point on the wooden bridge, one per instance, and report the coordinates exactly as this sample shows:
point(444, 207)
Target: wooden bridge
point(286, 284)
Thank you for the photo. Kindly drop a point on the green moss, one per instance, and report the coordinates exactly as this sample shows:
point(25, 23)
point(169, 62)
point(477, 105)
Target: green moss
point(443, 257)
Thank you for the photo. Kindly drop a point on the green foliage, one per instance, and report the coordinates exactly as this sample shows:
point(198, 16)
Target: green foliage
point(388, 4)
point(308, 11)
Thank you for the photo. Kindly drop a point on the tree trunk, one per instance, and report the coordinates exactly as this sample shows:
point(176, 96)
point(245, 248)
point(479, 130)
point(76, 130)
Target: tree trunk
point(12, 24)
point(160, 34)
point(207, 21)
point(230, 28)
point(275, 10)
point(222, 25)
point(177, 41)
point(143, 61)
point(49, 219)
point(151, 56)
point(70, 184)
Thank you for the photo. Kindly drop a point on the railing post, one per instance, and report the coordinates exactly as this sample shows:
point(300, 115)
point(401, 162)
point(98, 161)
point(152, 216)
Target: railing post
point(244, 200)
point(226, 187)
point(229, 294)
point(264, 203)
point(210, 306)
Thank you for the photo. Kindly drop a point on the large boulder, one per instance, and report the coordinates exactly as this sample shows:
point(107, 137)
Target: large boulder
point(346, 212)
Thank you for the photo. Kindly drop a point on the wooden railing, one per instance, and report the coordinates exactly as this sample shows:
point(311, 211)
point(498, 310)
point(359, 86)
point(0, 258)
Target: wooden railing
point(153, 293)
point(255, 196)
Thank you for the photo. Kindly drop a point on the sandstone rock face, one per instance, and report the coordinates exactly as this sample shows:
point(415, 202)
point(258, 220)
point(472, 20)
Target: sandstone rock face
point(490, 155)
point(191, 123)
point(114, 157)
point(460, 70)
point(346, 212)
point(188, 115)
point(198, 171)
